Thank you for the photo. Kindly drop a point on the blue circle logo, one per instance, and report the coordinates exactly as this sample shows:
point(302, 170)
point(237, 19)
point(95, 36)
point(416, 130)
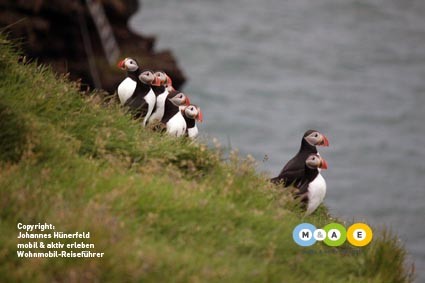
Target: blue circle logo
point(303, 234)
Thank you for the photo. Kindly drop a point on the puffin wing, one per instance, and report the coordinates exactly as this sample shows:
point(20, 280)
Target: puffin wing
point(137, 105)
point(289, 176)
point(302, 187)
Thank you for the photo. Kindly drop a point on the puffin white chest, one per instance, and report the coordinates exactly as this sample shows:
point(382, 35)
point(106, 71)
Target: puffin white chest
point(193, 132)
point(316, 193)
point(126, 89)
point(176, 126)
point(150, 99)
point(160, 107)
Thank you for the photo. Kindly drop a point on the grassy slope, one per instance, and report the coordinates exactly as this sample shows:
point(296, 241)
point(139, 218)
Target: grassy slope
point(161, 209)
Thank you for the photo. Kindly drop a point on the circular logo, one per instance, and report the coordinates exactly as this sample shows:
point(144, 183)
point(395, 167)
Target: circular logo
point(359, 234)
point(303, 234)
point(336, 234)
point(319, 234)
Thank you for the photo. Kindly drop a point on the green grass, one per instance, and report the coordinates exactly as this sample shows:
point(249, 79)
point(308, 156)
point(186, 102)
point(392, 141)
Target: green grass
point(161, 209)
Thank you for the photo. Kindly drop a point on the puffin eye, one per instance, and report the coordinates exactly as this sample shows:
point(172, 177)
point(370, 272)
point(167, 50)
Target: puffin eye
point(316, 135)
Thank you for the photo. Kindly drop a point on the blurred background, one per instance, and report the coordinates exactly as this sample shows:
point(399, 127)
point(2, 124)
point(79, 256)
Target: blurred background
point(64, 35)
point(263, 72)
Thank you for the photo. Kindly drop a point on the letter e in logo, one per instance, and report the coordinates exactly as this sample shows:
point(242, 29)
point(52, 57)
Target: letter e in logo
point(359, 234)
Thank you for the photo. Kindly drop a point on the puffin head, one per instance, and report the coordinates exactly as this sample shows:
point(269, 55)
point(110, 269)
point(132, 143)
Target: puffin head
point(315, 161)
point(128, 64)
point(147, 77)
point(165, 80)
point(314, 138)
point(178, 98)
point(161, 78)
point(193, 112)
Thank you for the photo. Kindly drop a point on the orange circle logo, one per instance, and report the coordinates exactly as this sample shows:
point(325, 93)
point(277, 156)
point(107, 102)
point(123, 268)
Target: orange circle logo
point(359, 234)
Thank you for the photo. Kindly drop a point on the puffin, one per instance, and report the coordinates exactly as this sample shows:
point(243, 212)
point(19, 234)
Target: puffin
point(294, 170)
point(128, 86)
point(161, 92)
point(173, 119)
point(135, 91)
point(312, 187)
point(191, 113)
point(146, 106)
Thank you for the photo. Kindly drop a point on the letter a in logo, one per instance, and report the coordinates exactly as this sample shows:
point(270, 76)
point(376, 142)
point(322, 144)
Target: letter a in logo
point(336, 234)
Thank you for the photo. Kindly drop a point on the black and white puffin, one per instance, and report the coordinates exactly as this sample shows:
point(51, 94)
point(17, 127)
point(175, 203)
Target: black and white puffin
point(135, 90)
point(190, 114)
point(173, 119)
point(312, 187)
point(161, 93)
point(294, 170)
point(147, 78)
point(127, 87)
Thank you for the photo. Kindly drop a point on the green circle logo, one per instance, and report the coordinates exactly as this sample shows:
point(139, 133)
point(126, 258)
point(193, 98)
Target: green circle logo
point(336, 234)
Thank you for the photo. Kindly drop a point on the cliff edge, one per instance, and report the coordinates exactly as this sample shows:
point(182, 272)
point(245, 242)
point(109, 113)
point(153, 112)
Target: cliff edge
point(51, 31)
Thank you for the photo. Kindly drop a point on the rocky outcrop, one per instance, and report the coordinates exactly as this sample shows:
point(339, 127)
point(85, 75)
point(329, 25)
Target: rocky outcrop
point(51, 32)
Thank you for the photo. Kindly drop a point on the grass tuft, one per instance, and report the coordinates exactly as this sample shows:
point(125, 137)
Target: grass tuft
point(12, 135)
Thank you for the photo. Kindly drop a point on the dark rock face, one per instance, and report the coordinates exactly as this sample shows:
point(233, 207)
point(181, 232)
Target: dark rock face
point(51, 31)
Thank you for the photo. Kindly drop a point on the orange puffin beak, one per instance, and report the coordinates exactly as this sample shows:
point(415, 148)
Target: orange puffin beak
point(187, 101)
point(121, 64)
point(323, 164)
point(325, 141)
point(156, 81)
point(200, 117)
